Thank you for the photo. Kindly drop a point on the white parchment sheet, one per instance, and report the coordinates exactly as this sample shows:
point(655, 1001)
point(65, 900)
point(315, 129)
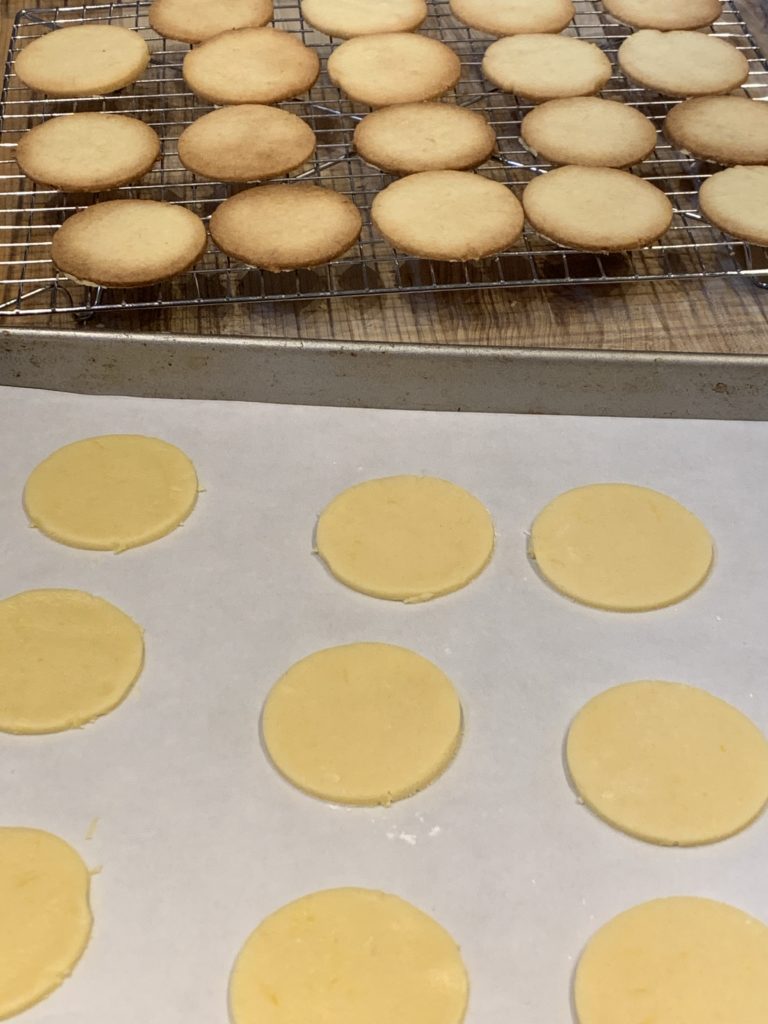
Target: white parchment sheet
point(197, 838)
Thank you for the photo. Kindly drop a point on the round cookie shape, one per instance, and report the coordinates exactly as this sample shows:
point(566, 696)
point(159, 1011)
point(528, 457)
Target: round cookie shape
point(588, 131)
point(83, 60)
point(346, 19)
point(724, 129)
point(681, 64)
point(128, 243)
point(514, 17)
point(736, 201)
point(247, 142)
point(597, 209)
point(621, 547)
point(112, 492)
point(683, 958)
point(348, 955)
point(405, 538)
point(664, 14)
point(46, 920)
point(88, 152)
point(286, 227)
point(543, 67)
point(68, 658)
point(251, 65)
point(411, 137)
point(194, 21)
point(363, 724)
point(396, 67)
point(668, 763)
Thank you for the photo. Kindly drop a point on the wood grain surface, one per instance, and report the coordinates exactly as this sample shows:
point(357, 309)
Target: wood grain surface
point(705, 316)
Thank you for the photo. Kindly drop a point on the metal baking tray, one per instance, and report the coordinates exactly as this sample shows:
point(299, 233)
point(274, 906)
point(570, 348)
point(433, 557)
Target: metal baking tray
point(29, 284)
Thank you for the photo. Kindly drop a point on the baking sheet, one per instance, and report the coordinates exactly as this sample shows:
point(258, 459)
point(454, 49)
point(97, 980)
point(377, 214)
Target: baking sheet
point(196, 838)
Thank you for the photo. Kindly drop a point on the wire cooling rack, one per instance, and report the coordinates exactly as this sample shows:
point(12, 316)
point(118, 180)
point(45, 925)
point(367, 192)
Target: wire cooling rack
point(29, 214)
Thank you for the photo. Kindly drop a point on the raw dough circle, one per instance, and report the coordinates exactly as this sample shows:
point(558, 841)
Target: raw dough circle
point(680, 64)
point(345, 19)
point(46, 920)
point(68, 657)
point(405, 538)
point(111, 493)
point(621, 547)
point(588, 131)
point(668, 763)
point(736, 201)
point(349, 956)
point(362, 724)
point(673, 960)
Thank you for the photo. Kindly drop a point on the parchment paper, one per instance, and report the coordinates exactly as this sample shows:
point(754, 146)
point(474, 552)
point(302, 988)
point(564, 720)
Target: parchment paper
point(195, 835)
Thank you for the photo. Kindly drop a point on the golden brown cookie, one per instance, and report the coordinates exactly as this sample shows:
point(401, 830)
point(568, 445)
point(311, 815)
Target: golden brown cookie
point(664, 14)
point(596, 208)
point(192, 21)
point(448, 215)
point(736, 201)
point(724, 129)
point(681, 64)
point(514, 17)
point(544, 67)
point(588, 131)
point(247, 142)
point(88, 152)
point(412, 137)
point(286, 227)
point(348, 18)
point(83, 60)
point(128, 243)
point(251, 65)
point(396, 67)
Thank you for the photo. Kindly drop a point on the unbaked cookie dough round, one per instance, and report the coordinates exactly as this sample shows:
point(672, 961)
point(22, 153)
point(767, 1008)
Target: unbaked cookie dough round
point(672, 960)
point(45, 922)
point(668, 763)
point(112, 492)
point(405, 538)
point(621, 547)
point(68, 658)
point(362, 724)
point(349, 956)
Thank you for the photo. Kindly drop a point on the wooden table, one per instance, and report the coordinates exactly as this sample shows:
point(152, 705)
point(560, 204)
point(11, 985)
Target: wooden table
point(713, 316)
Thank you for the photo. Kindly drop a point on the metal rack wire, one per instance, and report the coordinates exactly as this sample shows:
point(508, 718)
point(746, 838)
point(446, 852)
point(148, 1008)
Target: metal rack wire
point(29, 214)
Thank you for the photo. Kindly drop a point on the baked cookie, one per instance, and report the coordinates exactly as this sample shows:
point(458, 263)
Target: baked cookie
point(664, 14)
point(251, 65)
point(513, 17)
point(83, 60)
point(424, 137)
point(347, 18)
point(286, 227)
point(588, 131)
point(396, 67)
point(681, 64)
point(448, 215)
point(88, 152)
point(544, 67)
point(128, 243)
point(596, 208)
point(724, 129)
point(736, 201)
point(192, 21)
point(247, 142)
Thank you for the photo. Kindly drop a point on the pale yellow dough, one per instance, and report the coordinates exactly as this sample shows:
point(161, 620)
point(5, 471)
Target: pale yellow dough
point(45, 918)
point(349, 956)
point(668, 763)
point(67, 658)
point(405, 538)
point(111, 493)
point(621, 547)
point(681, 960)
point(362, 724)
